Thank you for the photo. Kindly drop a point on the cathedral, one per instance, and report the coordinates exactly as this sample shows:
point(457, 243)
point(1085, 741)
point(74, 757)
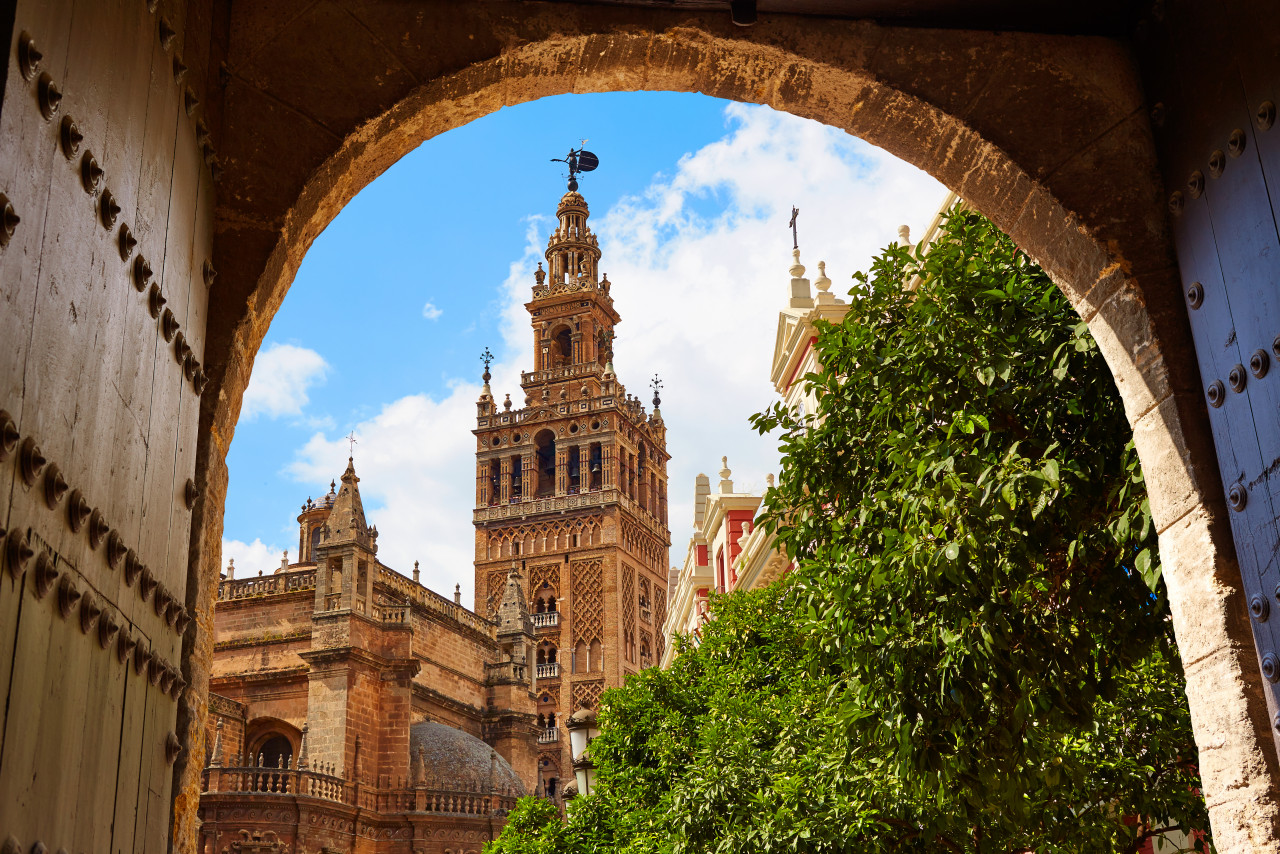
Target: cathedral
point(352, 709)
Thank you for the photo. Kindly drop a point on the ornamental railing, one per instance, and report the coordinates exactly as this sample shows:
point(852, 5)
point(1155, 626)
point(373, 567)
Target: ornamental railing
point(567, 372)
point(267, 585)
point(548, 671)
point(548, 735)
point(546, 619)
point(434, 602)
point(327, 785)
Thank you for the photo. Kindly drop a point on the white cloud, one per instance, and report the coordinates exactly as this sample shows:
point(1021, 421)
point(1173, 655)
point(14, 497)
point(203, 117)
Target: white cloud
point(430, 312)
point(252, 559)
point(699, 294)
point(281, 376)
point(415, 461)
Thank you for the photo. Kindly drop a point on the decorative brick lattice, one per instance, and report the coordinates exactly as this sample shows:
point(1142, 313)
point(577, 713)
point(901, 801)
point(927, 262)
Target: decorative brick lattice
point(639, 542)
point(497, 582)
point(547, 573)
point(552, 691)
point(545, 537)
point(660, 619)
point(587, 694)
point(588, 602)
point(628, 597)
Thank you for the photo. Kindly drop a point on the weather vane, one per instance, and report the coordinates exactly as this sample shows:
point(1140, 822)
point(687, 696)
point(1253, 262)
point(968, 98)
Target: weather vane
point(795, 241)
point(352, 441)
point(486, 357)
point(578, 160)
point(656, 385)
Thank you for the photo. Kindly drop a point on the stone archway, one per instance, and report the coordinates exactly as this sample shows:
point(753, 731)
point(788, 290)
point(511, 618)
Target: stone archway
point(1046, 135)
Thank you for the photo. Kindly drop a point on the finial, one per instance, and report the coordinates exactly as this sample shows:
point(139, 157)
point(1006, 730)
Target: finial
point(231, 569)
point(656, 385)
point(506, 404)
point(352, 441)
point(284, 559)
point(486, 357)
point(726, 485)
point(579, 160)
point(215, 756)
point(333, 484)
point(457, 594)
point(415, 572)
point(796, 270)
point(904, 235)
point(795, 240)
point(539, 276)
point(822, 283)
point(768, 479)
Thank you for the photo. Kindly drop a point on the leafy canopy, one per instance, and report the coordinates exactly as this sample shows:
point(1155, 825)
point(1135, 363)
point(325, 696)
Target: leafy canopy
point(974, 652)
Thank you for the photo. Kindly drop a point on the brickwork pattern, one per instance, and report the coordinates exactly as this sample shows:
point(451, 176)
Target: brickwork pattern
point(660, 618)
point(548, 574)
point(628, 625)
point(586, 694)
point(587, 602)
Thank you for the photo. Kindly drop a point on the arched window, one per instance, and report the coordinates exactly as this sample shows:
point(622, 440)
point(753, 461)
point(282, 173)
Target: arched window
point(544, 453)
point(561, 348)
point(597, 657)
point(581, 660)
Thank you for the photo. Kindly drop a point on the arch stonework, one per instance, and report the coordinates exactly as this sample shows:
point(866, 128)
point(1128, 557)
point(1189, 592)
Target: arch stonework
point(1047, 135)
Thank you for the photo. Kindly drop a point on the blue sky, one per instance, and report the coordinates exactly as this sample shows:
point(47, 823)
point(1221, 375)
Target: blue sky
point(382, 329)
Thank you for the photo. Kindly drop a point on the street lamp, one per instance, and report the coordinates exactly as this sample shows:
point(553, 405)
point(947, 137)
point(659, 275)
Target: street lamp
point(582, 730)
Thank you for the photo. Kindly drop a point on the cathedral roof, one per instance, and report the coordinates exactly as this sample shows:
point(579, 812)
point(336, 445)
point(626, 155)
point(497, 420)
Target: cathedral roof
point(448, 757)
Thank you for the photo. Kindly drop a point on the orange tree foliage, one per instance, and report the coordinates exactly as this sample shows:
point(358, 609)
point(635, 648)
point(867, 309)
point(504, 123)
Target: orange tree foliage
point(975, 652)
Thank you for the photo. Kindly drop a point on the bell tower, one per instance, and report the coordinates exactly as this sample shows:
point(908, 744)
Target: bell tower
point(571, 487)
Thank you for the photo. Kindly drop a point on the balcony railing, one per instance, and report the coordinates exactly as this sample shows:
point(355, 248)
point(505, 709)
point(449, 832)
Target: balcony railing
point(328, 784)
point(548, 671)
point(548, 735)
point(267, 585)
point(546, 619)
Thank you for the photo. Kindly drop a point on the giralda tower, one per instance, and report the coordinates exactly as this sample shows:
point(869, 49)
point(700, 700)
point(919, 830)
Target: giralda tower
point(571, 487)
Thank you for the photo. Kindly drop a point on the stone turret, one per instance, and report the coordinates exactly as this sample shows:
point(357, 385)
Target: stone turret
point(511, 729)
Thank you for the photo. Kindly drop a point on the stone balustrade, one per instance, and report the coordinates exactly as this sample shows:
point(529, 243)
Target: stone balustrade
point(267, 585)
point(434, 602)
point(548, 671)
point(546, 619)
point(325, 784)
point(549, 735)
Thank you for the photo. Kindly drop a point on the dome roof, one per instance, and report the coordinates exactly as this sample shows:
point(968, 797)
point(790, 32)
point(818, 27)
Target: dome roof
point(451, 757)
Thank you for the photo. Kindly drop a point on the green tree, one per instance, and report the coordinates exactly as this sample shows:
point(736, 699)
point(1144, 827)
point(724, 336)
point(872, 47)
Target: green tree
point(974, 653)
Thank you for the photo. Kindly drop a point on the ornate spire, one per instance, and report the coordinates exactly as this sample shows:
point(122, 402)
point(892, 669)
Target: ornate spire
point(215, 757)
point(513, 612)
point(346, 519)
point(486, 357)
